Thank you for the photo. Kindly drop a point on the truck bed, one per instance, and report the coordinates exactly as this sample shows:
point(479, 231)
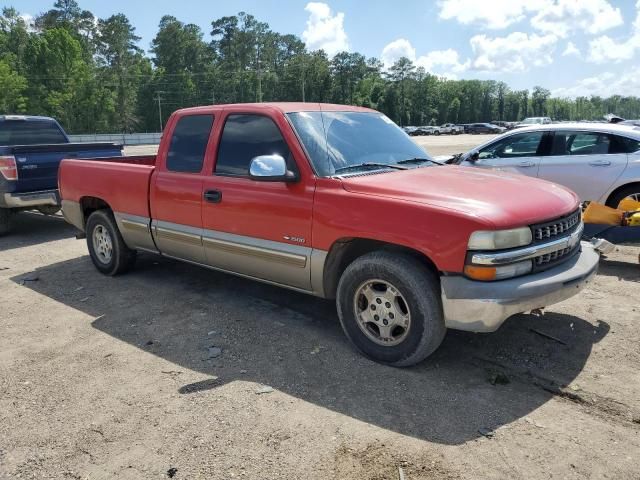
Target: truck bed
point(38, 164)
point(122, 182)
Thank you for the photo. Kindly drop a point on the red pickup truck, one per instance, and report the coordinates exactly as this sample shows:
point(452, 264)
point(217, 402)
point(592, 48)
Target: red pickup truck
point(338, 202)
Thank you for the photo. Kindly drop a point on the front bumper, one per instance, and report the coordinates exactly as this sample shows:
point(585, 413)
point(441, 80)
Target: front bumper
point(29, 199)
point(483, 306)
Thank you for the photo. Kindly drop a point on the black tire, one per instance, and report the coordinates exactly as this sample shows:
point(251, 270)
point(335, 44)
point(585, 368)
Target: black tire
point(614, 200)
point(417, 286)
point(121, 258)
point(436, 132)
point(5, 220)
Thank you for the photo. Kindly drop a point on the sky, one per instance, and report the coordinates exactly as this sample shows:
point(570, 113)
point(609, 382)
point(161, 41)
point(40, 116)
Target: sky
point(572, 47)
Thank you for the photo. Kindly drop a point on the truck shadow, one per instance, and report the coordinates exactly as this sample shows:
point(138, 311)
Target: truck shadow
point(33, 228)
point(294, 343)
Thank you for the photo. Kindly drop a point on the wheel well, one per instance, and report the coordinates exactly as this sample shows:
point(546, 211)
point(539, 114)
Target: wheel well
point(621, 187)
point(90, 205)
point(346, 250)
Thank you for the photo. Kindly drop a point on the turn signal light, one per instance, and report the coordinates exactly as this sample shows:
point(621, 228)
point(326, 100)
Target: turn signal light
point(8, 168)
point(484, 274)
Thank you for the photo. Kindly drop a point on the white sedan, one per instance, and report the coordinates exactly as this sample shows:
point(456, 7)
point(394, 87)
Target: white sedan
point(600, 162)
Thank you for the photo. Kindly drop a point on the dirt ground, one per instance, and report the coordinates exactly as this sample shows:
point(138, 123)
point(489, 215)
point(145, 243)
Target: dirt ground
point(105, 378)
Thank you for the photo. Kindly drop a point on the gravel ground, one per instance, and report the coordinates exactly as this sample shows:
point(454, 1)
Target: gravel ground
point(177, 371)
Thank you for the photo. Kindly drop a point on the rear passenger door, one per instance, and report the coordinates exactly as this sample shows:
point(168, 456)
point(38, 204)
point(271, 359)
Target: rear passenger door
point(517, 153)
point(176, 191)
point(255, 228)
point(586, 162)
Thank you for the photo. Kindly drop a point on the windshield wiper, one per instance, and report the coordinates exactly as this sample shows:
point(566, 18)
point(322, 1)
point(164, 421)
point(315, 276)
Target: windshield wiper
point(369, 164)
point(418, 160)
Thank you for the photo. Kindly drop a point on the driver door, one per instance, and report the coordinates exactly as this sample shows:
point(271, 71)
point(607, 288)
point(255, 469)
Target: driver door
point(518, 153)
point(256, 228)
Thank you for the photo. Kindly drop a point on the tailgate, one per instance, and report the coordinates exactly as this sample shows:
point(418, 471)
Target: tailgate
point(38, 164)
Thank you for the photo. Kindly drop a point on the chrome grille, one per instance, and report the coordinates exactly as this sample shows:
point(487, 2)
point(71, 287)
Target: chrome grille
point(553, 257)
point(559, 227)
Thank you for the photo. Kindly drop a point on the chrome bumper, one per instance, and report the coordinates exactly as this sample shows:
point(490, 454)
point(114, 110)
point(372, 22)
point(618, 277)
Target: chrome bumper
point(29, 199)
point(483, 306)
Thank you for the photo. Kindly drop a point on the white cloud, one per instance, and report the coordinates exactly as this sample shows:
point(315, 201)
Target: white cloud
point(495, 14)
point(324, 29)
point(571, 50)
point(445, 63)
point(605, 49)
point(562, 17)
point(605, 85)
point(517, 52)
point(557, 17)
point(397, 49)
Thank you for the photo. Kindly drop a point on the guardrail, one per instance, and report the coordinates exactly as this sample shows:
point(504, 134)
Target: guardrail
point(123, 138)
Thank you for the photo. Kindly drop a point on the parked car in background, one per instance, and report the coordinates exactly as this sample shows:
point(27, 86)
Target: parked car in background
point(600, 162)
point(412, 131)
point(30, 151)
point(406, 247)
point(428, 130)
point(534, 121)
point(507, 125)
point(452, 129)
point(475, 128)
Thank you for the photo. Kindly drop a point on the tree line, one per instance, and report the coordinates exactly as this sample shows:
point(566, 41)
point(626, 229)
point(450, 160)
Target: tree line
point(92, 76)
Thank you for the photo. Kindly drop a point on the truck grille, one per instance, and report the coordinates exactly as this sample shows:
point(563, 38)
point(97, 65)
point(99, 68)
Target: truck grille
point(555, 228)
point(550, 259)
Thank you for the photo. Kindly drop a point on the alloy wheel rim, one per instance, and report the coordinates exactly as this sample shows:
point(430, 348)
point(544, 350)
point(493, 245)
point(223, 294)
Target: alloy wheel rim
point(382, 313)
point(102, 244)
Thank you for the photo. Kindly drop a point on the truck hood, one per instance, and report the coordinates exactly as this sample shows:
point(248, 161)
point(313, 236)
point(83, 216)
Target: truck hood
point(505, 200)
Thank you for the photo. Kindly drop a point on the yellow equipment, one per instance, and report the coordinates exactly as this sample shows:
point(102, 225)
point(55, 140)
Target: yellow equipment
point(603, 215)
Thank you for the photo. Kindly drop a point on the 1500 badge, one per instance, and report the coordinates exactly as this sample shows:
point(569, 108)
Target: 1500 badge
point(294, 239)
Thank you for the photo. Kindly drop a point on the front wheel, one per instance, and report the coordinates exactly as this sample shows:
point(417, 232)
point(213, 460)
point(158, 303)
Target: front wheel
point(390, 308)
point(109, 253)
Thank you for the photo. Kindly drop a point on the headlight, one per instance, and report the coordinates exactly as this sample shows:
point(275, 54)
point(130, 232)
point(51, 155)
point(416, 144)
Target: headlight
point(487, 274)
point(499, 239)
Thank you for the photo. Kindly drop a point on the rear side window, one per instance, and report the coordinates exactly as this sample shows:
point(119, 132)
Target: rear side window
point(28, 132)
point(580, 143)
point(245, 137)
point(189, 143)
point(624, 145)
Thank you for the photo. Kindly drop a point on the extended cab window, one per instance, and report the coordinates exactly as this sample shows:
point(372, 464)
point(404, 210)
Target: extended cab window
point(245, 137)
point(189, 143)
point(518, 145)
point(30, 132)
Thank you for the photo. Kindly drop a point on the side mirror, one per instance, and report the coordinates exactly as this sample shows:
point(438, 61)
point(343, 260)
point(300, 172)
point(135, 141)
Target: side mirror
point(474, 157)
point(270, 168)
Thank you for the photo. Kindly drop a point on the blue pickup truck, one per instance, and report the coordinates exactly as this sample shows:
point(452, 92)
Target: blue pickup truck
point(31, 149)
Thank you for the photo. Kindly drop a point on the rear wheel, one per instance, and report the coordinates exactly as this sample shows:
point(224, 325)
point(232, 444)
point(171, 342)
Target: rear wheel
point(390, 308)
point(109, 253)
point(631, 191)
point(5, 220)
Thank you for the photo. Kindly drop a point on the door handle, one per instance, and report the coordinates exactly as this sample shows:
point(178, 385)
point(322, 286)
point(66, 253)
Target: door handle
point(526, 164)
point(213, 196)
point(600, 163)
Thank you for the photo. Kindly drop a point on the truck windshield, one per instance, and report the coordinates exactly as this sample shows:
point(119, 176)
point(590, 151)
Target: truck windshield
point(335, 140)
point(28, 132)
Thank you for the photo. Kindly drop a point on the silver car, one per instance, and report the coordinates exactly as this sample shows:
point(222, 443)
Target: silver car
point(600, 162)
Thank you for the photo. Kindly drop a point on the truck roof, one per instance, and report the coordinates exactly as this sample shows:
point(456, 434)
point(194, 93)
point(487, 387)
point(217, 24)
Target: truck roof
point(31, 118)
point(284, 107)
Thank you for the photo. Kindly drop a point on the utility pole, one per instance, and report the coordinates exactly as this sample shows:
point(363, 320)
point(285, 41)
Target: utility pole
point(160, 109)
